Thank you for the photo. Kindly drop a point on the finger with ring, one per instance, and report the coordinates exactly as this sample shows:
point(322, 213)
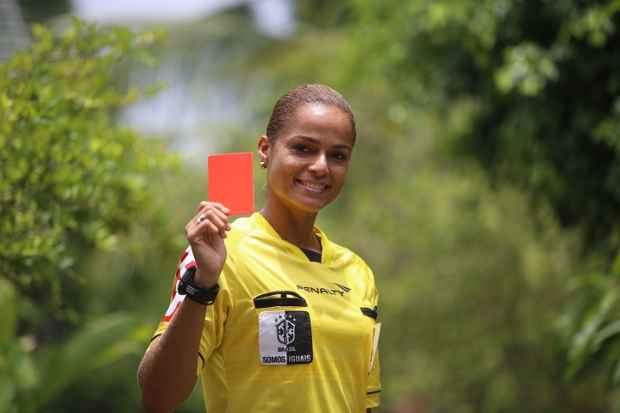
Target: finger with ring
point(201, 218)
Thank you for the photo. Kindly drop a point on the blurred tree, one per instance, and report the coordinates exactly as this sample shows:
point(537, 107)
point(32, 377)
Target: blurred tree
point(32, 380)
point(13, 33)
point(69, 178)
point(532, 91)
point(323, 14)
point(472, 284)
point(72, 182)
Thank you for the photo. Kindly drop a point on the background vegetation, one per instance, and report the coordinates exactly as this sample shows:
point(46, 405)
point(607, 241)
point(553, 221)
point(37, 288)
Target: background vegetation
point(483, 193)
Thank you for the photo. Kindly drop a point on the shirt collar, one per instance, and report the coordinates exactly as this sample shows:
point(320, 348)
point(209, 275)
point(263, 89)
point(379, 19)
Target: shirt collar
point(266, 227)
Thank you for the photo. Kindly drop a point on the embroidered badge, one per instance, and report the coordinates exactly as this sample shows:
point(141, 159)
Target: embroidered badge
point(285, 337)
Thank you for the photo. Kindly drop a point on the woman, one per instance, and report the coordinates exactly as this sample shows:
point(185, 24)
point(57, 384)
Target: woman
point(279, 318)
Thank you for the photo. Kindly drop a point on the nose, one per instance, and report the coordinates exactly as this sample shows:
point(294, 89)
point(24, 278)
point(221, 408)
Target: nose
point(319, 165)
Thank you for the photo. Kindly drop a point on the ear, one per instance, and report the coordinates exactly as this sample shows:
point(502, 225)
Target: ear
point(263, 147)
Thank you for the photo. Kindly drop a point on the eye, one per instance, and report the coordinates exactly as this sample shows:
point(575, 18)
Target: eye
point(301, 148)
point(340, 156)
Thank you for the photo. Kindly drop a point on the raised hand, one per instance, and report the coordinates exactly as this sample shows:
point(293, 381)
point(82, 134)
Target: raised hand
point(206, 232)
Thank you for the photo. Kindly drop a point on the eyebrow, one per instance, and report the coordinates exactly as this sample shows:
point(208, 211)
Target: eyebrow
point(317, 141)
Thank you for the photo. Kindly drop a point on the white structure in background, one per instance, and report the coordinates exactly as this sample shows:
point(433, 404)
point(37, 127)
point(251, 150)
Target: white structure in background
point(13, 33)
point(273, 17)
point(196, 106)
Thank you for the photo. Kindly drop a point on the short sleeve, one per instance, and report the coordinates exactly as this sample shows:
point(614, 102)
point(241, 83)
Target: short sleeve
point(215, 317)
point(373, 389)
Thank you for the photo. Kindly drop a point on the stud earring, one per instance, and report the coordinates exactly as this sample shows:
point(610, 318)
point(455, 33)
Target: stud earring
point(263, 164)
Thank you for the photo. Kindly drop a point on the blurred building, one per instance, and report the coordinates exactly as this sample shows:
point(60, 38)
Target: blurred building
point(13, 33)
point(272, 17)
point(207, 92)
point(201, 102)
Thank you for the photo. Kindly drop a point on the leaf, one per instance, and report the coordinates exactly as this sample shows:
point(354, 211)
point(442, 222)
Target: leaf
point(584, 342)
point(101, 342)
point(611, 330)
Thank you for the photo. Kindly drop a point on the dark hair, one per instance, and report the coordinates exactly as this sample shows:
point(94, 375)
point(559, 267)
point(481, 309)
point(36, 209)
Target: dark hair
point(286, 106)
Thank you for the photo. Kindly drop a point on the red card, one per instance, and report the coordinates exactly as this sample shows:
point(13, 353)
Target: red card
point(231, 183)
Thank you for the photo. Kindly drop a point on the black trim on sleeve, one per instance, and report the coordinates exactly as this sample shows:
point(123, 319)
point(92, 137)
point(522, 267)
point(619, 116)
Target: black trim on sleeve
point(279, 298)
point(372, 313)
point(368, 393)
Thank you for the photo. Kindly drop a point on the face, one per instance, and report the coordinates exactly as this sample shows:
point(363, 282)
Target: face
point(308, 161)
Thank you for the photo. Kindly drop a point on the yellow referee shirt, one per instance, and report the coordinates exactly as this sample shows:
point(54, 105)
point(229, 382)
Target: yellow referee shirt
point(286, 334)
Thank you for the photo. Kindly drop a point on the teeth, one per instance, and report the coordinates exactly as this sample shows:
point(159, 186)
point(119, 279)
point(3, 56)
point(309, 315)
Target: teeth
point(313, 187)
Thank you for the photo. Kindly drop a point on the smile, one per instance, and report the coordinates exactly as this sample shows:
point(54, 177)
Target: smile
point(312, 187)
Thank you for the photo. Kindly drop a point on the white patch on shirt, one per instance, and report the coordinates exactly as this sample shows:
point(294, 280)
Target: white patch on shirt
point(272, 351)
point(177, 298)
point(285, 337)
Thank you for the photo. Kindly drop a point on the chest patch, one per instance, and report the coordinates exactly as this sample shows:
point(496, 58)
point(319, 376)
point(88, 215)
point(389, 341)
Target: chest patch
point(285, 337)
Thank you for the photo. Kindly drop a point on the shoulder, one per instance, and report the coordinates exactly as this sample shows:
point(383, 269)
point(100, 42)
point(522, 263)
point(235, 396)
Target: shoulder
point(241, 231)
point(357, 272)
point(347, 256)
point(344, 259)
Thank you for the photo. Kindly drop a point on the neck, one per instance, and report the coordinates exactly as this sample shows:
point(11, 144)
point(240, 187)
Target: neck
point(292, 226)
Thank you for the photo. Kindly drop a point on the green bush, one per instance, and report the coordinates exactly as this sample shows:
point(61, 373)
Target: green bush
point(541, 85)
point(71, 179)
point(73, 184)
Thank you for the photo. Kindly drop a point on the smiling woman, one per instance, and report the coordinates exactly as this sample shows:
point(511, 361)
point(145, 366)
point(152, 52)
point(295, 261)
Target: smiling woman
point(279, 318)
point(307, 162)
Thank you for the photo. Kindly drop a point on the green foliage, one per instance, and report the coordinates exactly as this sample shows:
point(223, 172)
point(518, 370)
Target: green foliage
point(538, 86)
point(544, 80)
point(73, 183)
point(526, 67)
point(594, 318)
point(31, 380)
point(472, 286)
point(71, 179)
point(487, 303)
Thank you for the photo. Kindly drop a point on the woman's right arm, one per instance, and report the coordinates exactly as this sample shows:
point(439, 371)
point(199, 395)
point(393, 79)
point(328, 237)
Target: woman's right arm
point(167, 373)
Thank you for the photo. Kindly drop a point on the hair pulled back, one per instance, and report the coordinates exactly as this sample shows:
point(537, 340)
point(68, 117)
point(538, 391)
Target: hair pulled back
point(286, 106)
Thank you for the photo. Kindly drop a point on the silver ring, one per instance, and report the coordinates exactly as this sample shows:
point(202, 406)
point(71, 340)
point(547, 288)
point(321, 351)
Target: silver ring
point(200, 218)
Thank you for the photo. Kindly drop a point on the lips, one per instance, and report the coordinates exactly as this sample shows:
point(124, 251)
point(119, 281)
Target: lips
point(314, 187)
